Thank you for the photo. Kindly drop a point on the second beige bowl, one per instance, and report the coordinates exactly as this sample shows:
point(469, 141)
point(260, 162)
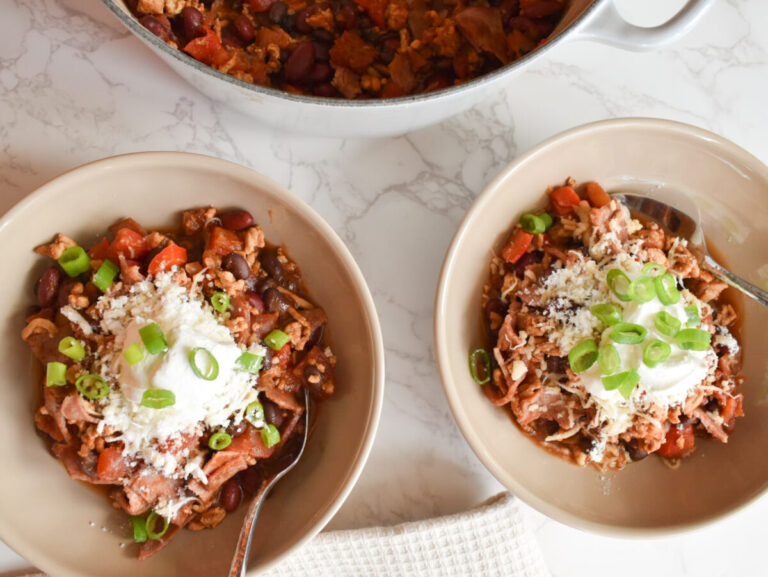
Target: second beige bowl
point(650, 156)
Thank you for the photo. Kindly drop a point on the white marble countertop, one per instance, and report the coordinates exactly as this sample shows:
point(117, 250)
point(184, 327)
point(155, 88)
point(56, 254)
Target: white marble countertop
point(75, 86)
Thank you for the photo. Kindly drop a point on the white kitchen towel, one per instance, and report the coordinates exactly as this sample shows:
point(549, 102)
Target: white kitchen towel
point(491, 540)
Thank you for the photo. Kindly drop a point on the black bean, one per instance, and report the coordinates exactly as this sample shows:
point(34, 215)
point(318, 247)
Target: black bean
point(586, 444)
point(277, 12)
point(237, 430)
point(634, 453)
point(322, 54)
point(48, 287)
point(300, 63)
point(323, 36)
point(244, 28)
point(237, 265)
point(193, 22)
point(313, 376)
point(273, 413)
point(315, 337)
point(289, 23)
point(557, 364)
point(325, 90)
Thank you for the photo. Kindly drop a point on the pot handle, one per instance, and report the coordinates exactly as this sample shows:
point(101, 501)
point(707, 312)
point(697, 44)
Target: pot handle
point(607, 26)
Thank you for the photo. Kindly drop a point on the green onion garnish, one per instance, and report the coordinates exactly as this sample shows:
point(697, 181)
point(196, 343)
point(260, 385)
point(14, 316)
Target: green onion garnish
point(105, 275)
point(270, 436)
point(546, 218)
point(666, 289)
point(220, 302)
point(210, 369)
point(694, 318)
point(653, 269)
point(619, 284)
point(624, 382)
point(133, 354)
point(139, 525)
point(479, 359)
point(642, 290)
point(532, 223)
point(92, 386)
point(693, 339)
point(75, 261)
point(608, 314)
point(608, 359)
point(249, 362)
point(72, 348)
point(158, 398)
point(276, 340)
point(628, 333)
point(219, 440)
point(153, 338)
point(254, 413)
point(151, 523)
point(666, 324)
point(55, 374)
point(583, 355)
point(656, 352)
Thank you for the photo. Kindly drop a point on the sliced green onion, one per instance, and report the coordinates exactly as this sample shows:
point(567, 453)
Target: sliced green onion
point(532, 223)
point(666, 324)
point(479, 359)
point(151, 523)
point(276, 340)
point(75, 261)
point(254, 413)
point(607, 313)
point(133, 354)
point(249, 362)
point(55, 374)
point(72, 348)
point(270, 436)
point(210, 369)
point(666, 289)
point(545, 216)
point(220, 301)
point(628, 333)
point(92, 386)
point(105, 275)
point(219, 440)
point(642, 290)
point(654, 269)
point(693, 339)
point(624, 382)
point(158, 398)
point(583, 355)
point(153, 338)
point(619, 284)
point(694, 317)
point(656, 352)
point(139, 525)
point(608, 359)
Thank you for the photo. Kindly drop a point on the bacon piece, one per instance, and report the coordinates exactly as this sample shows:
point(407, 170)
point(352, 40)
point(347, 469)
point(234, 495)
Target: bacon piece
point(713, 427)
point(76, 409)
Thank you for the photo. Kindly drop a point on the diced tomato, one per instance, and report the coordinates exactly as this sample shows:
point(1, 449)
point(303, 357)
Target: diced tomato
point(516, 246)
point(261, 5)
point(208, 49)
point(679, 442)
point(563, 200)
point(171, 256)
point(112, 466)
point(128, 223)
point(223, 241)
point(128, 243)
point(250, 442)
point(100, 251)
point(377, 11)
point(282, 357)
point(596, 195)
point(731, 410)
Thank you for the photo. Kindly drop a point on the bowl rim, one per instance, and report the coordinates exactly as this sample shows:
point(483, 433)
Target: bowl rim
point(150, 159)
point(451, 391)
point(132, 23)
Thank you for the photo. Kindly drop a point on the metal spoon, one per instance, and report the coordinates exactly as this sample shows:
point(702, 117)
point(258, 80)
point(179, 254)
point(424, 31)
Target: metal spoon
point(240, 560)
point(681, 224)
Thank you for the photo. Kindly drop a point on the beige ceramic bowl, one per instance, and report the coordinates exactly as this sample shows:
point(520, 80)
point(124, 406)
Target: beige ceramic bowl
point(656, 157)
point(69, 530)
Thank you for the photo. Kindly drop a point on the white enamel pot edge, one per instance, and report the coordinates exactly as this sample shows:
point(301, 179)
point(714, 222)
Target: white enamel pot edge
point(338, 118)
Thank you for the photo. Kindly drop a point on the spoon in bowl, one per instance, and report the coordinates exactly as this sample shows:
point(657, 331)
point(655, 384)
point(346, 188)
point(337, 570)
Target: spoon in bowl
point(681, 224)
point(240, 560)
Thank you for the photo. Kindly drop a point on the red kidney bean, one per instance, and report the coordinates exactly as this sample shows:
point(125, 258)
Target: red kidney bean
point(250, 480)
point(231, 495)
point(321, 72)
point(346, 17)
point(236, 219)
point(275, 301)
point(48, 287)
point(299, 63)
point(244, 28)
point(323, 36)
point(322, 53)
point(325, 90)
point(301, 20)
point(277, 12)
point(237, 265)
point(152, 24)
point(255, 301)
point(543, 8)
point(273, 413)
point(192, 20)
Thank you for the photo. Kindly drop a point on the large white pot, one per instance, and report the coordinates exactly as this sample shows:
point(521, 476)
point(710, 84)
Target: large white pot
point(585, 19)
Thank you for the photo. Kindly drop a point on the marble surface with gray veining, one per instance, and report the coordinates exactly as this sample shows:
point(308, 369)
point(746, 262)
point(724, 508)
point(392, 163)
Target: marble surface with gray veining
point(75, 86)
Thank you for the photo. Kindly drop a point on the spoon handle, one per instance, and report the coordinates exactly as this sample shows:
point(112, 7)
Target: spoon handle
point(747, 288)
point(237, 569)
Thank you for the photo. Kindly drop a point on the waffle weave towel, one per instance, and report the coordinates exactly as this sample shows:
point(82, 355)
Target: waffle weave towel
point(491, 540)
